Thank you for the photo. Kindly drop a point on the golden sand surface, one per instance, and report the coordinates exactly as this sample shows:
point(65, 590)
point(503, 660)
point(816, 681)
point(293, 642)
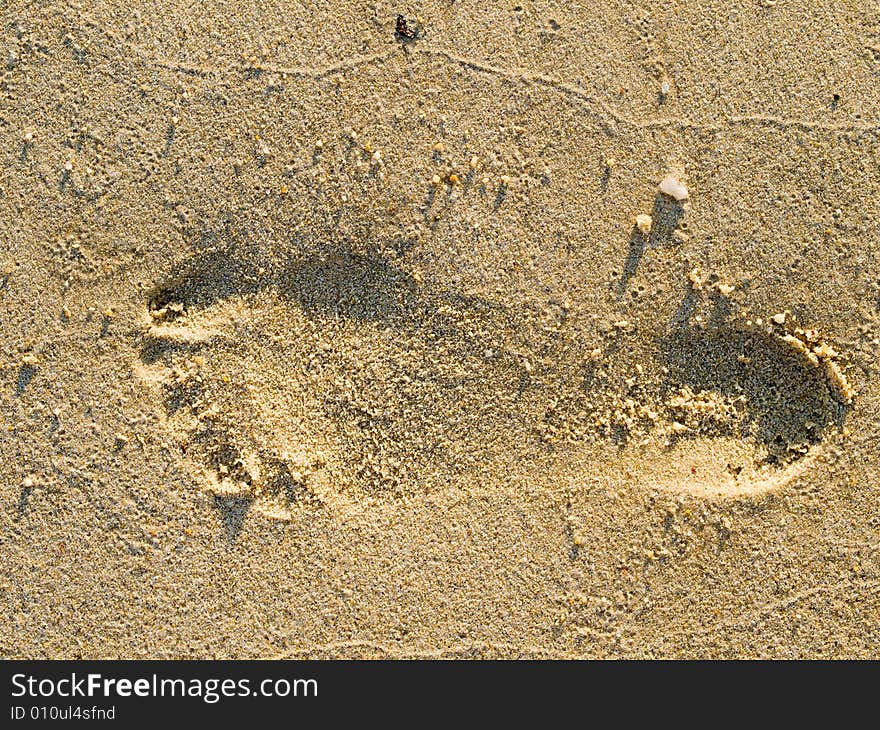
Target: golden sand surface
point(323, 340)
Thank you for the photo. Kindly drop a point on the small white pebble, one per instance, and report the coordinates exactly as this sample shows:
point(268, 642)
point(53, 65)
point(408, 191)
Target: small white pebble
point(673, 187)
point(643, 223)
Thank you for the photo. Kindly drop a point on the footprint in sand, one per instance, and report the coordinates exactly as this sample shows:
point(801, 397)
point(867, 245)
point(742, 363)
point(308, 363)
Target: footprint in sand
point(337, 379)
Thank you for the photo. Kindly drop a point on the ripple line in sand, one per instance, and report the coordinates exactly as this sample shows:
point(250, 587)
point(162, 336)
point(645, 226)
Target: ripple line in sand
point(608, 115)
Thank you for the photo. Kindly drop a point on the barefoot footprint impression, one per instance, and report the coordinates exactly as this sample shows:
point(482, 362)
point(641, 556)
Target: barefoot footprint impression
point(336, 379)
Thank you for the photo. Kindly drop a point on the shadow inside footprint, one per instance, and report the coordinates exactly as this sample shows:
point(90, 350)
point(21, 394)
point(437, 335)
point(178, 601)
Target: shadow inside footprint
point(203, 280)
point(783, 401)
point(345, 283)
point(338, 282)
